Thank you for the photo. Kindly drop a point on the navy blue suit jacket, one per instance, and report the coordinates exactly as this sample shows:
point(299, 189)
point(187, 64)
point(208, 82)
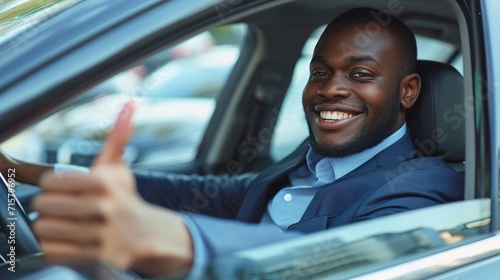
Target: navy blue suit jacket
point(394, 181)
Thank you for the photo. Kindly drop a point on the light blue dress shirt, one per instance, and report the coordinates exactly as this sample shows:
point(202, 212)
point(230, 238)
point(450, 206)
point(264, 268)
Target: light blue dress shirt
point(290, 203)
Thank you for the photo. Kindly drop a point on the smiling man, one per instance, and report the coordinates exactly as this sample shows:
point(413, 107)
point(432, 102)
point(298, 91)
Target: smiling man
point(362, 81)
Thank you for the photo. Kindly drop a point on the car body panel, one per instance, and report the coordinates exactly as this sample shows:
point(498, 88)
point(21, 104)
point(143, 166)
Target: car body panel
point(367, 249)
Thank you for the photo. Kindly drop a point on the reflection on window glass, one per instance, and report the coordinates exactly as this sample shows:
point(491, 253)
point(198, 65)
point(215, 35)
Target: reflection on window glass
point(20, 17)
point(176, 90)
point(353, 250)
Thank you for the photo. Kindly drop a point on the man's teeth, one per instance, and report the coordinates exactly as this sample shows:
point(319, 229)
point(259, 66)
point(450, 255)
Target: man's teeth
point(334, 115)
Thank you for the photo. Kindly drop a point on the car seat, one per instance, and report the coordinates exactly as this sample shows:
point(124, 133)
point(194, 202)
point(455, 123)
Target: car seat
point(437, 119)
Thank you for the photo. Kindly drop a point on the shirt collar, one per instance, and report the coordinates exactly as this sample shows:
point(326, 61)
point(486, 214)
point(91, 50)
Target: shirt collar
point(343, 165)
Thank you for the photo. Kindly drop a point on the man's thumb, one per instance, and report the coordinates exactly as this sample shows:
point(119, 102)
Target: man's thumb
point(117, 137)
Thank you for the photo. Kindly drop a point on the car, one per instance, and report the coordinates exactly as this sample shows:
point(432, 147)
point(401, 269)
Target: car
point(211, 71)
point(167, 130)
point(198, 44)
point(83, 43)
point(172, 115)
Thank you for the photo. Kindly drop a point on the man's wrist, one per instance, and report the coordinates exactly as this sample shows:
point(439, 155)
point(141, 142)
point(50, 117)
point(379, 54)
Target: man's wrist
point(160, 256)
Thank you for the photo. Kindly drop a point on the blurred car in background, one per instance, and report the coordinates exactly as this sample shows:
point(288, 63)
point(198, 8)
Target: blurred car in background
point(168, 125)
point(198, 44)
point(130, 81)
point(166, 130)
point(175, 79)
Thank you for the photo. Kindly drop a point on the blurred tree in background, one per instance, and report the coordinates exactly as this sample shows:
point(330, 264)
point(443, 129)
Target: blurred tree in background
point(11, 9)
point(14, 11)
point(228, 34)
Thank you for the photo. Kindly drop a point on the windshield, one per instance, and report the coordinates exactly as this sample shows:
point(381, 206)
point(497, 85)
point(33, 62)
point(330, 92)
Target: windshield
point(18, 18)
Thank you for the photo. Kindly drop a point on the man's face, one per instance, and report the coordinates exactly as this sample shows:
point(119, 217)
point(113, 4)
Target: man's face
point(351, 100)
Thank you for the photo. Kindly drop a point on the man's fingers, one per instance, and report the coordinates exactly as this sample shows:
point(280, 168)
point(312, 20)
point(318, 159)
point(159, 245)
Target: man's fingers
point(67, 251)
point(81, 232)
point(70, 206)
point(71, 182)
point(117, 137)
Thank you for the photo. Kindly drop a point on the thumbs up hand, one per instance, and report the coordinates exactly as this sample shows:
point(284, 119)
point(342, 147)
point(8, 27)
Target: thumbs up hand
point(117, 138)
point(100, 215)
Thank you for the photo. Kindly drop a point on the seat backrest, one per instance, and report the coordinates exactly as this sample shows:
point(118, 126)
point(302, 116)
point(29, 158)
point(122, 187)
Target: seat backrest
point(437, 120)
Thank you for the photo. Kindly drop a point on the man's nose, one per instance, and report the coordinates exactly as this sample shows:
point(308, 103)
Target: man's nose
point(336, 86)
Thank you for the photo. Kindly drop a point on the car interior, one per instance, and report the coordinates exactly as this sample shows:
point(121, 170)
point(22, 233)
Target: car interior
point(250, 101)
point(274, 43)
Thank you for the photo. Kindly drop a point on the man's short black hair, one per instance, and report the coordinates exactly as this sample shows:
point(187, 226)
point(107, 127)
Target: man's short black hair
point(406, 44)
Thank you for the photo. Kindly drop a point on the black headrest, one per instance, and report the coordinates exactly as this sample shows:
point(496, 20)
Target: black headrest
point(437, 120)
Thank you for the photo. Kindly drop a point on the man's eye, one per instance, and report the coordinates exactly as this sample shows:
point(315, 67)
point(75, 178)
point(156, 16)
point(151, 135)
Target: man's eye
point(319, 74)
point(361, 75)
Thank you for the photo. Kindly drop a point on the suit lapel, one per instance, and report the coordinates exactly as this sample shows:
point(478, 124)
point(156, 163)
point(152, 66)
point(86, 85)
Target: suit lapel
point(400, 151)
point(268, 183)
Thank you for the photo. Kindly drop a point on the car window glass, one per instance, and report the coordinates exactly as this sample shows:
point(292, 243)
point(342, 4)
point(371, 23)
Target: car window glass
point(291, 127)
point(176, 90)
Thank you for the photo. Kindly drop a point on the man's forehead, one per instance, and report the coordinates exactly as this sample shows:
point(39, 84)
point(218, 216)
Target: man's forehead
point(355, 38)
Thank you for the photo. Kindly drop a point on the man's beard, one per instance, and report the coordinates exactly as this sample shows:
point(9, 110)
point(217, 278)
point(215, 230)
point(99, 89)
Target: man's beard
point(366, 137)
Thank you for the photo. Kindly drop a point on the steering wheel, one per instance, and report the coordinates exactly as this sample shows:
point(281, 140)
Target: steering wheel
point(15, 223)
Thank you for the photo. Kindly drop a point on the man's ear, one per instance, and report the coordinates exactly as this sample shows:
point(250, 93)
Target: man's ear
point(410, 89)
